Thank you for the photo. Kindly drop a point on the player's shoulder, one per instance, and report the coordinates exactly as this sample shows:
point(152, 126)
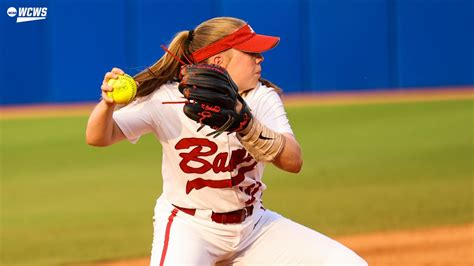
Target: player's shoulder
point(166, 92)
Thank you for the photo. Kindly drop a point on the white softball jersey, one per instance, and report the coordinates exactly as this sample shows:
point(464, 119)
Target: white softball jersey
point(202, 172)
point(218, 175)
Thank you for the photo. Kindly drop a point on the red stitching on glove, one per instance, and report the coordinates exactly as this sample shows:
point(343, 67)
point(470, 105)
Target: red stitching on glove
point(243, 123)
point(204, 115)
point(215, 108)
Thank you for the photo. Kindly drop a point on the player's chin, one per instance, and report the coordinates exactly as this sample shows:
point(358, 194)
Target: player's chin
point(253, 86)
point(255, 81)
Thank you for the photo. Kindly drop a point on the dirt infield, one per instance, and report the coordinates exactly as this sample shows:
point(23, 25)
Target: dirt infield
point(447, 246)
point(338, 98)
point(443, 246)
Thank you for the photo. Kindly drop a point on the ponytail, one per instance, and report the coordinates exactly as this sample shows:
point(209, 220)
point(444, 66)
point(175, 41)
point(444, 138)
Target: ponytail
point(271, 85)
point(165, 69)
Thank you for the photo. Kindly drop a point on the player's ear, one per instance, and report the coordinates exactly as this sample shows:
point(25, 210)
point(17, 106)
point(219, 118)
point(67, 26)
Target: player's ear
point(217, 60)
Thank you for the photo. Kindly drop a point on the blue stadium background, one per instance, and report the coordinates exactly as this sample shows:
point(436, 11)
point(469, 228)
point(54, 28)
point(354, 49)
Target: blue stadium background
point(326, 45)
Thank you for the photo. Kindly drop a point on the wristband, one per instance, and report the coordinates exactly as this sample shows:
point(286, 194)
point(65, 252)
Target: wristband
point(261, 142)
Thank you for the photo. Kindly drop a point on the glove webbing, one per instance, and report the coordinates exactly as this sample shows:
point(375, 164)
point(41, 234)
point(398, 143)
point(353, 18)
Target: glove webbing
point(261, 142)
point(220, 130)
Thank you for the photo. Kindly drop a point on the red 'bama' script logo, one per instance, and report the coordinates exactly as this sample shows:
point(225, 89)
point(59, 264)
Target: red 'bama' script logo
point(201, 150)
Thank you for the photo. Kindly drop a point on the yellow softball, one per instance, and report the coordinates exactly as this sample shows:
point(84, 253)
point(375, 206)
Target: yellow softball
point(124, 89)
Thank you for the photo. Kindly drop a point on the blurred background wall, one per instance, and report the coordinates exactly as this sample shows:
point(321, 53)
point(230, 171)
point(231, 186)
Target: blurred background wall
point(326, 45)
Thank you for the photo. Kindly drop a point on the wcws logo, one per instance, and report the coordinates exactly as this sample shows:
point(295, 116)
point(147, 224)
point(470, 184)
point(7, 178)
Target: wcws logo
point(26, 14)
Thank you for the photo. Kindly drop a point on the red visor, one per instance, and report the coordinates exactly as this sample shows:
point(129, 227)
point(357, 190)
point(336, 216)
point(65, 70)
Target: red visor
point(244, 39)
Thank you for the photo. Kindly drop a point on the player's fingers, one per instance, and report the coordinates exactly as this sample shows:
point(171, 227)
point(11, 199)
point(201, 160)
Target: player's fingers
point(110, 75)
point(238, 107)
point(106, 98)
point(117, 71)
point(106, 87)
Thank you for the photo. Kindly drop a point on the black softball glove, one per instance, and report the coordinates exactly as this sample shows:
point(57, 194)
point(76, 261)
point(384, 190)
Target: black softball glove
point(212, 99)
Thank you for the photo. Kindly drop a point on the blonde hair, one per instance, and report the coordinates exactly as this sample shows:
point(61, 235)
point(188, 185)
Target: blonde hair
point(167, 67)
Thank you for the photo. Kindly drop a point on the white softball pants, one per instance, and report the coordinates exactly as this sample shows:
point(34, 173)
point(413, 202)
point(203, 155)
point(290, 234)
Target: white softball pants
point(264, 238)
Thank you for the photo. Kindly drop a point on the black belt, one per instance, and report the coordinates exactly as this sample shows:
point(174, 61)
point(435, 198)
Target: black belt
point(234, 217)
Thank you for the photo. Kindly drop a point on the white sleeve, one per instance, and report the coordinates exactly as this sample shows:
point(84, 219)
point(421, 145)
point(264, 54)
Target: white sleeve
point(270, 111)
point(134, 120)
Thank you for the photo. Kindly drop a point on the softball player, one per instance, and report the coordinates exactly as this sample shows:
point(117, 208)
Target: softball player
point(211, 210)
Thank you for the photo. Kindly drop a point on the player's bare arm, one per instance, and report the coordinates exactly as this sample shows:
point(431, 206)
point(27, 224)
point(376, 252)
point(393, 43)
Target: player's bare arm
point(101, 129)
point(290, 159)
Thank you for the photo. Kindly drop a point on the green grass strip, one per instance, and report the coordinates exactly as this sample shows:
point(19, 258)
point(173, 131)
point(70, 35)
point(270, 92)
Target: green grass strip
point(367, 168)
